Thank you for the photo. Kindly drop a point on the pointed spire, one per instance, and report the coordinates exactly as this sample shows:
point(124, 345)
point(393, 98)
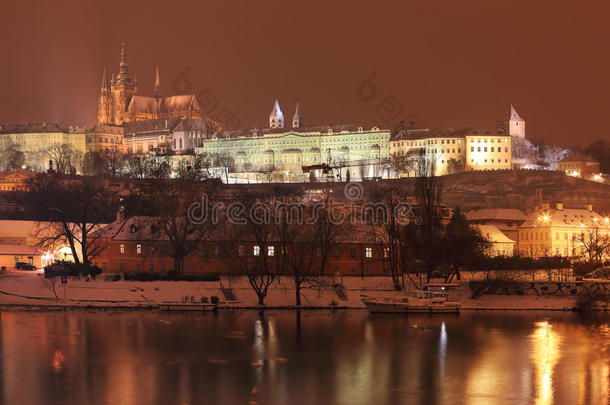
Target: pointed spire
point(105, 84)
point(513, 115)
point(123, 68)
point(276, 118)
point(297, 119)
point(157, 84)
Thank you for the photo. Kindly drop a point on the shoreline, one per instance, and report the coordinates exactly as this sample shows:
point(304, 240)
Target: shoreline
point(233, 293)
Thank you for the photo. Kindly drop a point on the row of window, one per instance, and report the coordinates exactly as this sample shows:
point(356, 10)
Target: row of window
point(256, 250)
point(485, 149)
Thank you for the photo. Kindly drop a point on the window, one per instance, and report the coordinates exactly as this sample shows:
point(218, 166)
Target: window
point(352, 252)
point(216, 250)
point(138, 267)
point(256, 251)
point(139, 249)
point(151, 267)
point(336, 252)
point(368, 252)
point(122, 266)
point(270, 250)
point(187, 268)
point(200, 251)
point(122, 248)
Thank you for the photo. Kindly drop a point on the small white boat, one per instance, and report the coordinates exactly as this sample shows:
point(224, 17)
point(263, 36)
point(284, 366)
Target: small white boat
point(413, 302)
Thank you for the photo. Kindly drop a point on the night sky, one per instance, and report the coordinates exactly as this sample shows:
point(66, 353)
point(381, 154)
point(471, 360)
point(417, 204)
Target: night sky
point(445, 63)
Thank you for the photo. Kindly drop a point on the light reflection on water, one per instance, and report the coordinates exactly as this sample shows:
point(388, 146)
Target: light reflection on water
point(343, 357)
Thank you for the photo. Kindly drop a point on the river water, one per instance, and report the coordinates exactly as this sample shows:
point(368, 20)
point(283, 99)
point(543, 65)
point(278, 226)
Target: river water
point(317, 357)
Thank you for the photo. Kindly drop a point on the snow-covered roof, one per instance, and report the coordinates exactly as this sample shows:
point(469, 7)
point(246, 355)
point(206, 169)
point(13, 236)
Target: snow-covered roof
point(578, 157)
point(493, 234)
point(569, 217)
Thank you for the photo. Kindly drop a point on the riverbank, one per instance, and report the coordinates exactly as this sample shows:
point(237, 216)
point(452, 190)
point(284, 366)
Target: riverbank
point(31, 289)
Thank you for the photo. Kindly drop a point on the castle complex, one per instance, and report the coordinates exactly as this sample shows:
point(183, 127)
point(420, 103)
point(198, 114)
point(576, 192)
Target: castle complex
point(130, 123)
point(120, 102)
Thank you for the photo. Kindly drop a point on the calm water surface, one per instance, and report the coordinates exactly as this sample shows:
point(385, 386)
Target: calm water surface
point(346, 357)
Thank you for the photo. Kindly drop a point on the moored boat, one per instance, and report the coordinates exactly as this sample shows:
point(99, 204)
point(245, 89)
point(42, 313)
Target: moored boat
point(413, 302)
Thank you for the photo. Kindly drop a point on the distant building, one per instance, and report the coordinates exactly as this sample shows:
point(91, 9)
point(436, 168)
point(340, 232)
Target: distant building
point(512, 124)
point(104, 138)
point(507, 220)
point(344, 147)
point(451, 151)
point(15, 181)
point(134, 245)
point(500, 244)
point(580, 165)
point(558, 231)
point(167, 134)
point(39, 141)
point(119, 101)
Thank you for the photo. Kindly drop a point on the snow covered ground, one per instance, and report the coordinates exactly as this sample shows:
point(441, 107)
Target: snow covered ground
point(32, 289)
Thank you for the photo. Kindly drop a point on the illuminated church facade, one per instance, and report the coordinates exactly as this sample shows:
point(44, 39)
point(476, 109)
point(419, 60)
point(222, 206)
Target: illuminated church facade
point(120, 101)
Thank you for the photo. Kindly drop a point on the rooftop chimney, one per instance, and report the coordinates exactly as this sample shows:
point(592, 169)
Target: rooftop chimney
point(559, 206)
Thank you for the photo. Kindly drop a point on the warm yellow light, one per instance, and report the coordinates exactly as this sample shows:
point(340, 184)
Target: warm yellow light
point(546, 217)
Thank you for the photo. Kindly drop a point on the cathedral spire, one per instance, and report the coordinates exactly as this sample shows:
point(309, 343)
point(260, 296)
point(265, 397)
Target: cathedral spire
point(104, 103)
point(276, 118)
point(123, 68)
point(105, 84)
point(297, 119)
point(157, 84)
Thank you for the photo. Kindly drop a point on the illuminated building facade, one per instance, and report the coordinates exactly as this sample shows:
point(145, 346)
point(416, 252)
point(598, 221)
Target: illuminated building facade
point(451, 151)
point(580, 165)
point(560, 231)
point(119, 101)
point(289, 150)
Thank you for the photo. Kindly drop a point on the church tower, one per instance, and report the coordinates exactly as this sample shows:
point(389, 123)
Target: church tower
point(276, 118)
point(104, 105)
point(512, 124)
point(297, 119)
point(123, 89)
point(157, 84)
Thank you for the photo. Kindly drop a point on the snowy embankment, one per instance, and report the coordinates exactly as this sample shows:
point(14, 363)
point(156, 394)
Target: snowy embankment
point(32, 289)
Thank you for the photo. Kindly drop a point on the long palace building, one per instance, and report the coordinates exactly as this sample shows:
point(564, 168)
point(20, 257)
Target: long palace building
point(132, 123)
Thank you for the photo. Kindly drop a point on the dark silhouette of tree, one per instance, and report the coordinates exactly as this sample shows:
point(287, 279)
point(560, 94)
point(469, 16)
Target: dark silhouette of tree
point(71, 210)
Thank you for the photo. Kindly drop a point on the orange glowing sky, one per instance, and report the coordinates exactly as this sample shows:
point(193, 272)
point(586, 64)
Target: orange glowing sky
point(446, 62)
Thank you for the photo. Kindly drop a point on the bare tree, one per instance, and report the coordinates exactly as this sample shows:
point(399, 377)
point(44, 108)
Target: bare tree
point(253, 245)
point(71, 211)
point(385, 217)
point(64, 158)
point(181, 212)
point(595, 243)
point(328, 231)
point(226, 163)
point(114, 161)
point(11, 158)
